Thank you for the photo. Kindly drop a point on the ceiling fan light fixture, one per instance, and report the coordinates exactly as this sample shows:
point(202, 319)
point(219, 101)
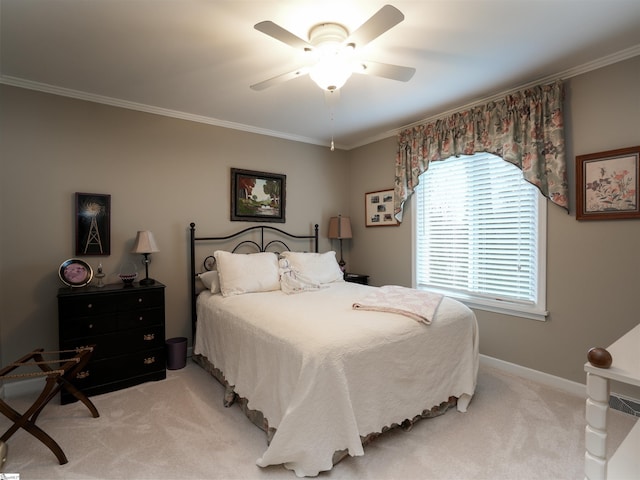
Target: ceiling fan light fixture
point(331, 51)
point(331, 73)
point(333, 67)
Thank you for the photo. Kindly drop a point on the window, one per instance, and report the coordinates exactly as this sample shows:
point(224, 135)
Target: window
point(480, 235)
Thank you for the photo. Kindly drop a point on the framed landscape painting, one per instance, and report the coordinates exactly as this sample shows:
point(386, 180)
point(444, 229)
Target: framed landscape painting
point(607, 185)
point(257, 196)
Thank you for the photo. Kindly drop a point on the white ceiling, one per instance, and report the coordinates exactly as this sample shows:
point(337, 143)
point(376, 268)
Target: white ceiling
point(195, 59)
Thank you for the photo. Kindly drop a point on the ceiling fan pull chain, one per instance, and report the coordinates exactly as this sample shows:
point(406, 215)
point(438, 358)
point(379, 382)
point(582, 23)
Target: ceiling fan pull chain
point(333, 147)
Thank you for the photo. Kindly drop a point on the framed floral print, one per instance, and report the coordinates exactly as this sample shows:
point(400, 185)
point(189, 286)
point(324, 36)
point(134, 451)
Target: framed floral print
point(608, 184)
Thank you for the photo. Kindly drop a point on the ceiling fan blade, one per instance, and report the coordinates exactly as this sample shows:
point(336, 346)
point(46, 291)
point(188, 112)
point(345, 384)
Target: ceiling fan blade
point(280, 79)
point(276, 31)
point(381, 21)
point(386, 70)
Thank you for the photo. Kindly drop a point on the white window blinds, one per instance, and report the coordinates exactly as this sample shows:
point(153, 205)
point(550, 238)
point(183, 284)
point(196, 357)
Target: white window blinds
point(477, 232)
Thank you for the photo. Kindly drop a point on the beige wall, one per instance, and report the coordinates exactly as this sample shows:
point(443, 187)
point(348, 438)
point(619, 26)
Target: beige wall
point(163, 173)
point(593, 272)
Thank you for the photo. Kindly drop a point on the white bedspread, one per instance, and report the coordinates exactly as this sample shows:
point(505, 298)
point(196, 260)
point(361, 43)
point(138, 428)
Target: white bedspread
point(323, 374)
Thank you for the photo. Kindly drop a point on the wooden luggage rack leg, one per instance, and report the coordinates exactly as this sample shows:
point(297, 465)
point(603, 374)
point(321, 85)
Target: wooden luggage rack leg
point(56, 379)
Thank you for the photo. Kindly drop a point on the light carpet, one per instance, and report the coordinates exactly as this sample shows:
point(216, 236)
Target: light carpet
point(178, 429)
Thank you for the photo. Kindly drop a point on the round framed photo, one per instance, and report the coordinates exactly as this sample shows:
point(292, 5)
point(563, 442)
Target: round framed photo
point(209, 263)
point(75, 273)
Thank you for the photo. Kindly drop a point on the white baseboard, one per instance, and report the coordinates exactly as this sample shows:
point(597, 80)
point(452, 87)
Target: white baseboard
point(23, 387)
point(616, 401)
point(568, 386)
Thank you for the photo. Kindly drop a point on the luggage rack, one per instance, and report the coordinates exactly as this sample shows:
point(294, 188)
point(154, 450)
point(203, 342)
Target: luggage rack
point(56, 379)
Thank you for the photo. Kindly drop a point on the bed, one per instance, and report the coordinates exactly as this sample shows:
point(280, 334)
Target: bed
point(316, 362)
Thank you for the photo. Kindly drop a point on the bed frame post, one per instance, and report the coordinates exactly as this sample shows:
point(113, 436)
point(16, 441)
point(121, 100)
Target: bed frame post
point(316, 236)
point(192, 244)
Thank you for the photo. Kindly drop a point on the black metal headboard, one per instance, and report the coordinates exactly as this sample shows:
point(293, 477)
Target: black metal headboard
point(260, 246)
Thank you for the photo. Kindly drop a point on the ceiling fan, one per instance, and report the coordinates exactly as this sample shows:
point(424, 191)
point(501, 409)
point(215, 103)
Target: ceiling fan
point(333, 51)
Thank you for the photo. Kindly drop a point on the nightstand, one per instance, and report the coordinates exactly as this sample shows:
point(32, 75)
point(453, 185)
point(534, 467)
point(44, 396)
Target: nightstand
point(126, 325)
point(357, 278)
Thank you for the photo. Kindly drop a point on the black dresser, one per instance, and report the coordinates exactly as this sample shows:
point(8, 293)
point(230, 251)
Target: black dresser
point(126, 325)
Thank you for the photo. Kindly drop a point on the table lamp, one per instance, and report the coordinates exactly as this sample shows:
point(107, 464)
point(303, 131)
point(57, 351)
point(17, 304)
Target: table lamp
point(340, 227)
point(145, 244)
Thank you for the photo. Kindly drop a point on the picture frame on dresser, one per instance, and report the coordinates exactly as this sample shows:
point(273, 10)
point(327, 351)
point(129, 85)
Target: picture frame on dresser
point(608, 185)
point(258, 196)
point(93, 224)
point(75, 272)
point(378, 209)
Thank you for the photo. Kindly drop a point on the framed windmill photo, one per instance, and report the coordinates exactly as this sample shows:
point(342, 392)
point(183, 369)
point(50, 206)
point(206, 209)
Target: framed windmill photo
point(93, 224)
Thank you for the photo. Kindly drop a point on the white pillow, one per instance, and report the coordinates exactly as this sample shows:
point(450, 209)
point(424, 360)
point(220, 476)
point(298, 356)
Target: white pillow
point(315, 267)
point(246, 273)
point(210, 280)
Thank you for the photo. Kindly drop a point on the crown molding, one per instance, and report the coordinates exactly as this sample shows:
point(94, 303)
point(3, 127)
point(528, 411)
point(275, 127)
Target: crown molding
point(91, 97)
point(116, 102)
point(572, 72)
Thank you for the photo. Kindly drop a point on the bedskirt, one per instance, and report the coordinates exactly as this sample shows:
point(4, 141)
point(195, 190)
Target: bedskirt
point(258, 419)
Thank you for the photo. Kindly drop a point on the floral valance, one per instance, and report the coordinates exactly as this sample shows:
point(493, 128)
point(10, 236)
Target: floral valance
point(525, 128)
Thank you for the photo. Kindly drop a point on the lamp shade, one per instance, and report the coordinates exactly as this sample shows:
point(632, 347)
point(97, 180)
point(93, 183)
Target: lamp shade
point(145, 243)
point(340, 227)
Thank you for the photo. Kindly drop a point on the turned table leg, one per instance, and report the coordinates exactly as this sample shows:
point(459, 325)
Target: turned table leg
point(595, 460)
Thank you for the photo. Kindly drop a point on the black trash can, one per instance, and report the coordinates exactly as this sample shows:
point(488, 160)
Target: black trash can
point(176, 353)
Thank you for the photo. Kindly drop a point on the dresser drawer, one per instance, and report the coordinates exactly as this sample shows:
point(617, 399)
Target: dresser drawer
point(141, 363)
point(103, 345)
point(119, 343)
point(116, 368)
point(140, 318)
point(142, 299)
point(84, 305)
point(141, 339)
point(75, 327)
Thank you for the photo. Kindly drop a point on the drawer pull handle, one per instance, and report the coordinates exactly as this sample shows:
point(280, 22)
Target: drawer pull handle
point(90, 305)
point(149, 360)
point(90, 325)
point(149, 336)
point(140, 300)
point(141, 317)
point(83, 374)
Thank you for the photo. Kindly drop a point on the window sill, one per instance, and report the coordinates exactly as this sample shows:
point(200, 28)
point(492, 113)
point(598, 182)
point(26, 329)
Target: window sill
point(531, 314)
point(497, 306)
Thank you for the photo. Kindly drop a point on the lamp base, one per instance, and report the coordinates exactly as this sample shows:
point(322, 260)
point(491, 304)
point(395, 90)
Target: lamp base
point(147, 281)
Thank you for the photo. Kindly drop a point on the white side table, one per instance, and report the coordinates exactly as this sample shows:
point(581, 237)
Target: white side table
point(625, 368)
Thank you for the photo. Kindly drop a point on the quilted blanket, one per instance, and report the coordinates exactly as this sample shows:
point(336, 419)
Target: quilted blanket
point(325, 375)
point(417, 304)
